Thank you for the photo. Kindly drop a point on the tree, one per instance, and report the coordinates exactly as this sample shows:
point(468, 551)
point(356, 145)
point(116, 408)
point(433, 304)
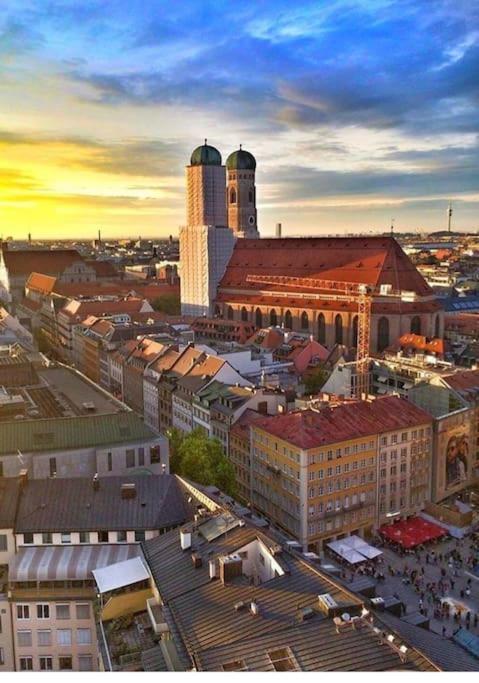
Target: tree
point(175, 438)
point(168, 303)
point(314, 381)
point(202, 459)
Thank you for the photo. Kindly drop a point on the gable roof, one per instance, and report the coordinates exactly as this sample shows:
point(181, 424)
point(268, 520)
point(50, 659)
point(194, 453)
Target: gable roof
point(9, 495)
point(370, 260)
point(49, 262)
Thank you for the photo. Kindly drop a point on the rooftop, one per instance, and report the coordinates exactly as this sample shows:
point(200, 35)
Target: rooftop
point(50, 262)
point(9, 495)
point(311, 429)
point(68, 433)
point(74, 504)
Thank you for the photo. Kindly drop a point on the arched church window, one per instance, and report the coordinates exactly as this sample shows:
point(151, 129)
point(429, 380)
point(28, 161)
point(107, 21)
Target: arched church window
point(250, 196)
point(304, 321)
point(288, 320)
point(258, 318)
point(244, 314)
point(383, 333)
point(233, 196)
point(355, 331)
point(338, 329)
point(321, 329)
point(273, 318)
point(416, 325)
point(230, 313)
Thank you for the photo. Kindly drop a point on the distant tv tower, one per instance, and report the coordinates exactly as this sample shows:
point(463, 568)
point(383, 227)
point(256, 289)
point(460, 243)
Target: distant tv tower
point(449, 217)
point(392, 227)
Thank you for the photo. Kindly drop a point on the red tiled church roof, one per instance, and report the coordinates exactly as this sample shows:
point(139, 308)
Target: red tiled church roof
point(370, 260)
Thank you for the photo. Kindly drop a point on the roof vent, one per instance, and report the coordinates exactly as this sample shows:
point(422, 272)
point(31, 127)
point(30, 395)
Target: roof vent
point(185, 538)
point(128, 490)
point(197, 561)
point(254, 608)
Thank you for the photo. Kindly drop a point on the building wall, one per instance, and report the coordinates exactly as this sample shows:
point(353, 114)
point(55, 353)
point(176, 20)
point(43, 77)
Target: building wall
point(204, 253)
point(404, 472)
point(7, 662)
point(78, 629)
point(7, 541)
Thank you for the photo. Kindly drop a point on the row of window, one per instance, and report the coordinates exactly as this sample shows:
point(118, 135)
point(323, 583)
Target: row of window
point(344, 483)
point(338, 469)
point(394, 438)
point(63, 637)
point(65, 663)
point(44, 610)
point(85, 537)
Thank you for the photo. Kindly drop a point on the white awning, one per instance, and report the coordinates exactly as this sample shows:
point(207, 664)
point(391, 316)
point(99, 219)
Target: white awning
point(356, 545)
point(347, 553)
point(120, 574)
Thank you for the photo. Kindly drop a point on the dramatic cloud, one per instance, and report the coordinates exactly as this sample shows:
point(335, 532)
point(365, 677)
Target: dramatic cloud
point(339, 100)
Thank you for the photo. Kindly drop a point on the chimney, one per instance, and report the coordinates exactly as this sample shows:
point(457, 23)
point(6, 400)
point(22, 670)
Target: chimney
point(185, 538)
point(96, 482)
point(278, 230)
point(128, 491)
point(23, 476)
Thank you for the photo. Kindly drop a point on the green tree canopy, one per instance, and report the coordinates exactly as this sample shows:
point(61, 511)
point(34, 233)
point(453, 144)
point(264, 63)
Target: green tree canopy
point(314, 381)
point(201, 459)
point(169, 304)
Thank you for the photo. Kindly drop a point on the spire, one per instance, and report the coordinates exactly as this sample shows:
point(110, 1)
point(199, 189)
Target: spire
point(449, 216)
point(206, 141)
point(241, 147)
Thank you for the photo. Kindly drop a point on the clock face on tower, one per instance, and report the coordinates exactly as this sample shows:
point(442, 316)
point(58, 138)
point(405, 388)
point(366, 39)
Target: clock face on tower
point(251, 220)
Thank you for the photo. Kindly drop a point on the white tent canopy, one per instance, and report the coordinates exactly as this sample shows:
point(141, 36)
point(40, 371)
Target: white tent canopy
point(354, 549)
point(120, 574)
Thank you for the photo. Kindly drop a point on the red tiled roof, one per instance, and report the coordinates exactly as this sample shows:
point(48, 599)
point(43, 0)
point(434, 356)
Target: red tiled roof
point(310, 429)
point(421, 343)
point(82, 309)
point(370, 260)
point(31, 304)
point(41, 283)
point(53, 262)
point(241, 427)
point(463, 381)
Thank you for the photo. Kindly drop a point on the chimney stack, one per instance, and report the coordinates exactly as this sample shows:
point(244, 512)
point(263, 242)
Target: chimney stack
point(278, 230)
point(96, 482)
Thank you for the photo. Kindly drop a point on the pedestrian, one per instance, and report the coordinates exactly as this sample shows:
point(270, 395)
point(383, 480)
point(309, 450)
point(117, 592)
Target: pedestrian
point(443, 631)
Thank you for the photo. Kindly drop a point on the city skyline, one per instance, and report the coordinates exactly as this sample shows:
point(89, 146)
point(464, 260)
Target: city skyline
point(103, 102)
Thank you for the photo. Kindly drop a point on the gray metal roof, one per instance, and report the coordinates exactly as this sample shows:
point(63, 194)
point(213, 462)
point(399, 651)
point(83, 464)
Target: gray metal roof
point(73, 504)
point(215, 633)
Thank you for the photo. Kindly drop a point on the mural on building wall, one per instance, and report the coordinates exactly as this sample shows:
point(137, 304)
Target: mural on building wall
point(457, 457)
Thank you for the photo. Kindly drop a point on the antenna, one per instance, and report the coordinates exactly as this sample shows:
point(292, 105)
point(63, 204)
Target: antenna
point(449, 216)
point(206, 141)
point(392, 227)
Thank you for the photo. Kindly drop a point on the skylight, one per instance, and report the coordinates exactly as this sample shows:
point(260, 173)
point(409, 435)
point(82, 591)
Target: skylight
point(283, 659)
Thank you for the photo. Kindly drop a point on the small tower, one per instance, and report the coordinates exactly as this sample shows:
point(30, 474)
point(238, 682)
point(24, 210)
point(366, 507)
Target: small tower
point(241, 194)
point(449, 216)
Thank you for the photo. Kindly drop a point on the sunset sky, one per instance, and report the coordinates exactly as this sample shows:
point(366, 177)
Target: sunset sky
point(357, 111)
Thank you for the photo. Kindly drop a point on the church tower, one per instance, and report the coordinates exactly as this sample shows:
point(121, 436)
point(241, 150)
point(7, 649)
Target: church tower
point(241, 194)
point(205, 187)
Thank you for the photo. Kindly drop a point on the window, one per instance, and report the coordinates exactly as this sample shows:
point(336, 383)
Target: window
point(44, 638)
point(46, 538)
point(103, 537)
point(53, 467)
point(235, 665)
point(258, 318)
point(84, 537)
point(26, 664)
point(273, 318)
point(2, 656)
point(66, 538)
point(321, 329)
point(3, 543)
point(338, 329)
point(109, 462)
point(64, 636)
point(23, 611)
point(46, 663)
point(139, 536)
point(83, 636)
point(65, 663)
point(141, 457)
point(63, 611)
point(121, 536)
point(244, 314)
point(24, 638)
point(383, 333)
point(83, 611)
point(28, 539)
point(43, 611)
point(283, 659)
point(85, 663)
point(155, 455)
point(304, 321)
point(130, 457)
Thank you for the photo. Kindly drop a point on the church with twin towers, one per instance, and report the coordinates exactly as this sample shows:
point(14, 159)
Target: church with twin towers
point(228, 272)
point(220, 208)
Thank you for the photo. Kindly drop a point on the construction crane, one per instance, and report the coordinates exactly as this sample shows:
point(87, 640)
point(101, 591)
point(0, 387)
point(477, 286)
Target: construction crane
point(360, 293)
